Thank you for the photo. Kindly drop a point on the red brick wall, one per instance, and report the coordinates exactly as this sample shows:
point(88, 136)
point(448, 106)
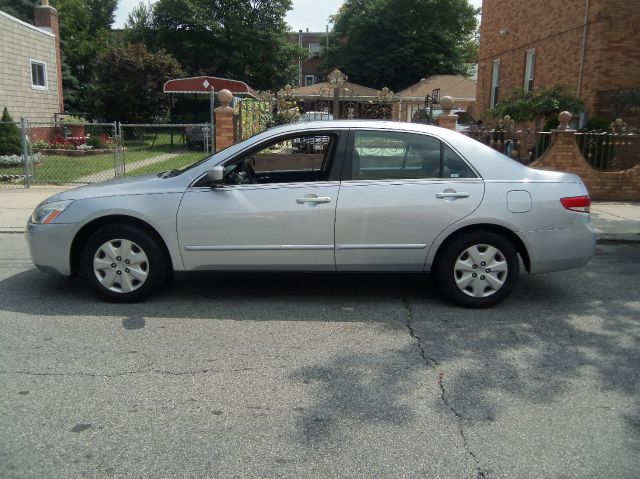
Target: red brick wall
point(564, 155)
point(44, 133)
point(555, 29)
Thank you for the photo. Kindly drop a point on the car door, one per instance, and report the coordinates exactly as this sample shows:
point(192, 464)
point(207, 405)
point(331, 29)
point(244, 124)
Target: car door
point(282, 218)
point(399, 191)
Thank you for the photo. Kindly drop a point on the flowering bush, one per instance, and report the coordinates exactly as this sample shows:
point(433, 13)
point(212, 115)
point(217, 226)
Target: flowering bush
point(68, 143)
point(16, 160)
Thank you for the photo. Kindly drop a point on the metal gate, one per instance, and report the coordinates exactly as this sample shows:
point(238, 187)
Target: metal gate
point(343, 104)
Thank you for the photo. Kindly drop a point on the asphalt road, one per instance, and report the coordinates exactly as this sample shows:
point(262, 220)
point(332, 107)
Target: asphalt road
point(268, 376)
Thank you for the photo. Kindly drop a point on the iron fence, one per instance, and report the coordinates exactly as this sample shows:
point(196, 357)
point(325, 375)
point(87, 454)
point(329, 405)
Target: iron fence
point(607, 151)
point(603, 150)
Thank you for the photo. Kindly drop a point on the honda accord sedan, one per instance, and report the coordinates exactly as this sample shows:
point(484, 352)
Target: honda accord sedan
point(382, 196)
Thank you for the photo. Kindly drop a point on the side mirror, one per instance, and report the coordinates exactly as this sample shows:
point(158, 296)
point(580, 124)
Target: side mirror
point(215, 175)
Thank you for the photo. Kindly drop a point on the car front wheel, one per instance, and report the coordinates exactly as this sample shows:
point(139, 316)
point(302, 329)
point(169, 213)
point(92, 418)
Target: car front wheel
point(478, 270)
point(123, 263)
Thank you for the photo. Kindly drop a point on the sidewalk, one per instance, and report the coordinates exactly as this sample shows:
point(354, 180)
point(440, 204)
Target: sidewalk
point(613, 221)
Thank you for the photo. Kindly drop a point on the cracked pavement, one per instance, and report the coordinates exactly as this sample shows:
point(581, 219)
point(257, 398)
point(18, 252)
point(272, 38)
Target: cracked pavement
point(240, 375)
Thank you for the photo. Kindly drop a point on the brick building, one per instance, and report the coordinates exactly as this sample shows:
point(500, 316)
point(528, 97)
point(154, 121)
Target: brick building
point(592, 46)
point(30, 73)
point(311, 69)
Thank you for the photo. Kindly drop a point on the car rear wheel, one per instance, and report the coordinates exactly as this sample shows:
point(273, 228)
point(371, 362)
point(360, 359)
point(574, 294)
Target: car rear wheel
point(123, 263)
point(478, 270)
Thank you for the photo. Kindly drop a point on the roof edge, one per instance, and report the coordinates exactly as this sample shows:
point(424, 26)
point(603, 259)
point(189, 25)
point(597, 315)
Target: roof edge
point(25, 24)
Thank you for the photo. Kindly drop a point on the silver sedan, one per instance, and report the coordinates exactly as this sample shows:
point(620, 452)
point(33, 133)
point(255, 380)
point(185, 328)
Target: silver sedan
point(379, 196)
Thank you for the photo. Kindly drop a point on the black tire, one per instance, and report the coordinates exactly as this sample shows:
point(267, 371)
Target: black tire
point(147, 260)
point(452, 273)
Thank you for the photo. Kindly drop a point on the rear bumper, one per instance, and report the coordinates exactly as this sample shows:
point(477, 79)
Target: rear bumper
point(50, 247)
point(560, 249)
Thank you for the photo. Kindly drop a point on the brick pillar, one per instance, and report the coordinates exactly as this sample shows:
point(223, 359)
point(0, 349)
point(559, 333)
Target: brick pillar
point(225, 121)
point(46, 18)
point(447, 120)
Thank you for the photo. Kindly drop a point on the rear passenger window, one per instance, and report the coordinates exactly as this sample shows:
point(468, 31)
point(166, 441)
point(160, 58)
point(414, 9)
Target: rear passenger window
point(390, 155)
point(396, 155)
point(454, 166)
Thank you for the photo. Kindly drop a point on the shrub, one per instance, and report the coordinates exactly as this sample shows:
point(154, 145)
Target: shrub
point(597, 123)
point(96, 142)
point(10, 143)
point(41, 144)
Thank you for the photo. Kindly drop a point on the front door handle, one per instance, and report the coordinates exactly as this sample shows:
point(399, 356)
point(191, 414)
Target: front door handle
point(452, 194)
point(313, 199)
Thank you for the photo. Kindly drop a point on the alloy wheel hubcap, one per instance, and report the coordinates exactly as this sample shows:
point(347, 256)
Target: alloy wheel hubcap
point(121, 266)
point(480, 270)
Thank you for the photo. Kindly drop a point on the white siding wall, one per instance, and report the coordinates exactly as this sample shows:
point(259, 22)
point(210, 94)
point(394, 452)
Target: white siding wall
point(19, 43)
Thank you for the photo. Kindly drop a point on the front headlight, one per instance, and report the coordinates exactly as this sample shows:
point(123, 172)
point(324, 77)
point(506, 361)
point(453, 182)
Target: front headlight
point(45, 214)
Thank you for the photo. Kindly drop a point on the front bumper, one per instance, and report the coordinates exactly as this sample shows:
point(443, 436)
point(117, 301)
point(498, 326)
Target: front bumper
point(50, 246)
point(560, 249)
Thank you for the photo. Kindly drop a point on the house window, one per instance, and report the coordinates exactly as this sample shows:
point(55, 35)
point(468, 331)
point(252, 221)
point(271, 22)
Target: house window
point(529, 70)
point(315, 49)
point(38, 75)
point(309, 80)
point(495, 83)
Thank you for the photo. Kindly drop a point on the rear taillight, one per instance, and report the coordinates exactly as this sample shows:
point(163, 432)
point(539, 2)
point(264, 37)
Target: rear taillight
point(577, 203)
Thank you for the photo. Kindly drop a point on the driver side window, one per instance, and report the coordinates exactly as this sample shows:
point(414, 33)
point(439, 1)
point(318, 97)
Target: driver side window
point(300, 158)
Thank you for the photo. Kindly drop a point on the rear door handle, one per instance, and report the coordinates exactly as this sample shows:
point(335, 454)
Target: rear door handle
point(452, 194)
point(313, 199)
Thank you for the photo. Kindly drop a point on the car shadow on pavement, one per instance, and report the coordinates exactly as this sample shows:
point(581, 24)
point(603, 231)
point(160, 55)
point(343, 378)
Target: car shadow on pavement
point(555, 331)
point(237, 296)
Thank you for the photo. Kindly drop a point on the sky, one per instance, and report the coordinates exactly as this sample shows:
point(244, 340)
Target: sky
point(311, 14)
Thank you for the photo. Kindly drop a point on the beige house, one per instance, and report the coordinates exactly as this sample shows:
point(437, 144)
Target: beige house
point(458, 87)
point(30, 73)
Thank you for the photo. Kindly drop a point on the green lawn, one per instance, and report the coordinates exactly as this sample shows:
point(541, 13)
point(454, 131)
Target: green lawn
point(66, 169)
point(170, 164)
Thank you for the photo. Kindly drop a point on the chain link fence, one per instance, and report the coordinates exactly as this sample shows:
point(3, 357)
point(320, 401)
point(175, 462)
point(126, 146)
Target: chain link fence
point(68, 153)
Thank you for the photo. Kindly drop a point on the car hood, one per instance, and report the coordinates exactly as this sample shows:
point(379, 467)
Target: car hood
point(132, 185)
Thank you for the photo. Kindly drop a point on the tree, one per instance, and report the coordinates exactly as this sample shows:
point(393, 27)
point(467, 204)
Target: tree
point(10, 143)
point(543, 103)
point(240, 39)
point(22, 9)
point(395, 43)
point(129, 81)
point(84, 33)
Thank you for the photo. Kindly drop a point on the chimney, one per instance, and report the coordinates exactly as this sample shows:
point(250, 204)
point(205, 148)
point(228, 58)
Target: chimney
point(46, 18)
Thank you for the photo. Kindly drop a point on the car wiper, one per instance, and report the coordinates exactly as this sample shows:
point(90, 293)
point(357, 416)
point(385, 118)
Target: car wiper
point(168, 173)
